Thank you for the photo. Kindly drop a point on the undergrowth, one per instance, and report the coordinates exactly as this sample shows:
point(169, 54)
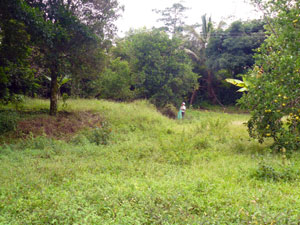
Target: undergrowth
point(8, 121)
point(140, 167)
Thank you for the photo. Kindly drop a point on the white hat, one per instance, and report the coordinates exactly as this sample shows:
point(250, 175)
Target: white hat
point(183, 103)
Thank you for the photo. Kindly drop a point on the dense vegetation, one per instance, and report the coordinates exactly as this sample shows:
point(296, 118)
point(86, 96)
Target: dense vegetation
point(93, 161)
point(57, 39)
point(150, 170)
point(274, 82)
point(162, 72)
point(53, 48)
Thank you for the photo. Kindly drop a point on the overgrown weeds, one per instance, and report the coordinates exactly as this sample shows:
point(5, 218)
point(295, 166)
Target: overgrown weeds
point(169, 110)
point(99, 135)
point(276, 172)
point(8, 121)
point(140, 167)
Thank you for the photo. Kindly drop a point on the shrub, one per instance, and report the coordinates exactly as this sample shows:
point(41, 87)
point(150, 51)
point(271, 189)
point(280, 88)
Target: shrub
point(275, 173)
point(99, 135)
point(65, 97)
point(115, 82)
point(169, 110)
point(273, 95)
point(8, 121)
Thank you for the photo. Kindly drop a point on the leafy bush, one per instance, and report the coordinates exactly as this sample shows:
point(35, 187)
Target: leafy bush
point(273, 173)
point(65, 97)
point(17, 100)
point(169, 110)
point(162, 71)
point(8, 121)
point(274, 92)
point(99, 135)
point(115, 82)
point(202, 143)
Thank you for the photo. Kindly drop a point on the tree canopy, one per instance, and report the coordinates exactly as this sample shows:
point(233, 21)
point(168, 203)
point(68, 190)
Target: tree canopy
point(62, 31)
point(172, 18)
point(274, 82)
point(162, 71)
point(230, 53)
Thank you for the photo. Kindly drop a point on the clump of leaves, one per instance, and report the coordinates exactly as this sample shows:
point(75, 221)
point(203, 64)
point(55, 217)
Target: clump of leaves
point(16, 100)
point(169, 110)
point(99, 135)
point(274, 94)
point(65, 97)
point(275, 173)
point(8, 121)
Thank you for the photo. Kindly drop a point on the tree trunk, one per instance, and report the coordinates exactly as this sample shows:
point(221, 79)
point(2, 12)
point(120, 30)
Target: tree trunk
point(53, 92)
point(193, 96)
point(210, 89)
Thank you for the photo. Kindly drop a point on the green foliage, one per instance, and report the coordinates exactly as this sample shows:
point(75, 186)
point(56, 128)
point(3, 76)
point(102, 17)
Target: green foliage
point(99, 135)
point(65, 97)
point(8, 121)
point(243, 84)
point(115, 82)
point(162, 70)
point(230, 53)
point(17, 101)
point(67, 36)
point(16, 74)
point(195, 44)
point(279, 173)
point(274, 96)
point(153, 170)
point(169, 110)
point(173, 18)
point(233, 48)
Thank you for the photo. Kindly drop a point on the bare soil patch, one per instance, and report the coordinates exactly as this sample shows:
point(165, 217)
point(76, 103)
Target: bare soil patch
point(63, 126)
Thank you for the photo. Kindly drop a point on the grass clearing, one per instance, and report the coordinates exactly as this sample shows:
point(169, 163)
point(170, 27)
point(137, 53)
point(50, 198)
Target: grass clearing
point(152, 170)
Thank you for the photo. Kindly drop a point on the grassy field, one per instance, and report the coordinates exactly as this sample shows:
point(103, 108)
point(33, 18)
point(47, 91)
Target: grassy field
point(140, 167)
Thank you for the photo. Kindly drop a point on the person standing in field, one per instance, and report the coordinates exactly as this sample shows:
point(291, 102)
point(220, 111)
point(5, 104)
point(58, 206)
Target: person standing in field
point(183, 108)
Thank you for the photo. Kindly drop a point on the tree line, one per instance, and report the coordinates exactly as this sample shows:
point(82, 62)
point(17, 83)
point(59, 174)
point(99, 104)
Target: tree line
point(44, 43)
point(68, 47)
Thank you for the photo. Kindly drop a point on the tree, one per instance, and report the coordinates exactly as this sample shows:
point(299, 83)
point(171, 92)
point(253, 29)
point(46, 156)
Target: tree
point(173, 18)
point(115, 82)
point(63, 31)
point(162, 71)
point(195, 46)
point(233, 48)
point(274, 91)
point(230, 53)
point(16, 74)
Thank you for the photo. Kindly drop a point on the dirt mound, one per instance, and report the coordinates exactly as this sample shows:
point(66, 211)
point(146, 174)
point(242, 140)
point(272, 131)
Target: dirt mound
point(63, 126)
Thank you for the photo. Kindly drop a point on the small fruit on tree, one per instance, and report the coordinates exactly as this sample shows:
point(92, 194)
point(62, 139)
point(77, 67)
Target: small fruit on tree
point(273, 97)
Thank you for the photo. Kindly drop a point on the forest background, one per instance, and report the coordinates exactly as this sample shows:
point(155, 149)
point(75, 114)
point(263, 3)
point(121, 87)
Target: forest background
point(63, 48)
point(72, 44)
point(107, 155)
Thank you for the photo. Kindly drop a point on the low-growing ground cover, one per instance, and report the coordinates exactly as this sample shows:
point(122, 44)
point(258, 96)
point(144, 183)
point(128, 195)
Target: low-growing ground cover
point(139, 167)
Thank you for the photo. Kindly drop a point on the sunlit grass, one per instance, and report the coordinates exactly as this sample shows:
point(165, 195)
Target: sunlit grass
point(155, 170)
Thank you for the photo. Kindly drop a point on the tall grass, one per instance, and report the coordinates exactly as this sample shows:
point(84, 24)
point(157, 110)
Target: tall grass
point(154, 170)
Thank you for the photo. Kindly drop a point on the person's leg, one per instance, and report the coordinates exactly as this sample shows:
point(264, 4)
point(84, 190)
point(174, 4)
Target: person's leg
point(182, 113)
